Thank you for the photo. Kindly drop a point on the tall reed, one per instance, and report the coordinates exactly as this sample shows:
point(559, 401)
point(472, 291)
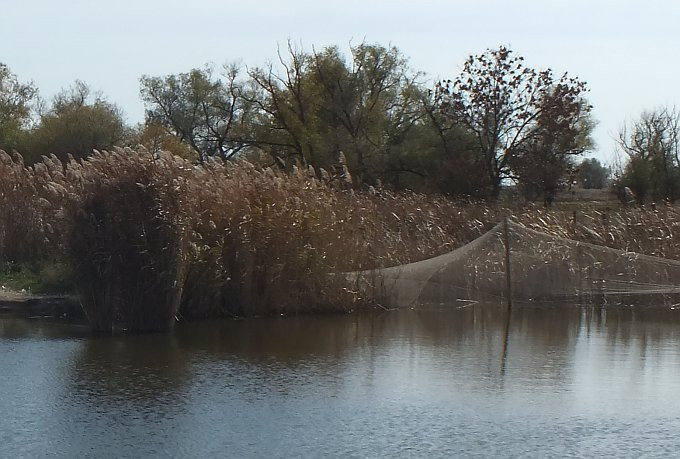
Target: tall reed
point(32, 202)
point(128, 240)
point(152, 237)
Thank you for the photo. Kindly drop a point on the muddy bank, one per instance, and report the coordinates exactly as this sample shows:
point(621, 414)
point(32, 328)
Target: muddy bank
point(20, 304)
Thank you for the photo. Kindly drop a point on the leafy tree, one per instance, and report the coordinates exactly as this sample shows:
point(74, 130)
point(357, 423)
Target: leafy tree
point(453, 163)
point(541, 165)
point(77, 123)
point(638, 175)
point(513, 111)
point(592, 174)
point(652, 145)
point(322, 105)
point(438, 156)
point(207, 112)
point(15, 108)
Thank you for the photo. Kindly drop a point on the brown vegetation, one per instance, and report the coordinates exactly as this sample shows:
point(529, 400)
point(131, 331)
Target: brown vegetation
point(152, 237)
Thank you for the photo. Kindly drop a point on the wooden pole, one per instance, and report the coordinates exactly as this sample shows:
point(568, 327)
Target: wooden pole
point(506, 240)
point(508, 280)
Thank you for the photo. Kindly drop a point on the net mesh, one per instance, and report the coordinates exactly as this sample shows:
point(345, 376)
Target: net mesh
point(543, 268)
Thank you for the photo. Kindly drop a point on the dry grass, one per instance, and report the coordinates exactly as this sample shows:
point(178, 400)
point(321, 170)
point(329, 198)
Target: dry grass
point(265, 240)
point(154, 237)
point(128, 239)
point(651, 230)
point(32, 202)
point(149, 237)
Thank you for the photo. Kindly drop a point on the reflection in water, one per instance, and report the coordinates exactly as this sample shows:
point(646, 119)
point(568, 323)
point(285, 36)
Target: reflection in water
point(123, 384)
point(506, 337)
point(469, 381)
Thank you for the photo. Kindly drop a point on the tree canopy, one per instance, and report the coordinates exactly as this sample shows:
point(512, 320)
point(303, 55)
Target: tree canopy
point(592, 174)
point(322, 105)
point(77, 123)
point(517, 114)
point(207, 112)
point(652, 146)
point(363, 117)
point(15, 108)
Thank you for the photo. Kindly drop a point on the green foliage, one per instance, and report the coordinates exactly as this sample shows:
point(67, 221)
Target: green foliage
point(54, 277)
point(363, 118)
point(78, 123)
point(46, 278)
point(18, 276)
point(366, 116)
point(652, 145)
point(322, 105)
point(15, 109)
point(639, 177)
point(209, 113)
point(430, 161)
point(592, 174)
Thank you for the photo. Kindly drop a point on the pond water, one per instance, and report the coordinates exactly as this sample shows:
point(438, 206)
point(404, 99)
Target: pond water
point(558, 381)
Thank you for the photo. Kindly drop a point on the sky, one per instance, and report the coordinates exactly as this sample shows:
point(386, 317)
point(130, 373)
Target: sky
point(626, 51)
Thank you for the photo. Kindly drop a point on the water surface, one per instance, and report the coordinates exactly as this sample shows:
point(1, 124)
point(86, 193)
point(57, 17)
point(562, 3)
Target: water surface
point(564, 381)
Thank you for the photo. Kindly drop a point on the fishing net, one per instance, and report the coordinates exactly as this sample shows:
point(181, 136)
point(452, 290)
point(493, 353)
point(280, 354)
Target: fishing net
point(543, 268)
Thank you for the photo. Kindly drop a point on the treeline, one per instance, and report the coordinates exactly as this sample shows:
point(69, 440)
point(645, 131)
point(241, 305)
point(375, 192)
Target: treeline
point(366, 119)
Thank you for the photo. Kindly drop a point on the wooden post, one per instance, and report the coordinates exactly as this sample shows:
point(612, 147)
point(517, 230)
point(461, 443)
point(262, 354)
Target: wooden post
point(506, 240)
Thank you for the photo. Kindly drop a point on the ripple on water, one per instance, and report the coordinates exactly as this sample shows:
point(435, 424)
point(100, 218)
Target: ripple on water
point(401, 384)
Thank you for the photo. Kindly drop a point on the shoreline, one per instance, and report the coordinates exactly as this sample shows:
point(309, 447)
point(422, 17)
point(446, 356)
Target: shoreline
point(28, 305)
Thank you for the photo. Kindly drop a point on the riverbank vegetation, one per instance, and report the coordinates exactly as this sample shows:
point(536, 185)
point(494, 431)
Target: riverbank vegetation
point(150, 238)
point(248, 193)
point(498, 120)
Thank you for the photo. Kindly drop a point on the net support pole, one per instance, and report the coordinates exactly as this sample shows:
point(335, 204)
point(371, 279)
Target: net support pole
point(508, 280)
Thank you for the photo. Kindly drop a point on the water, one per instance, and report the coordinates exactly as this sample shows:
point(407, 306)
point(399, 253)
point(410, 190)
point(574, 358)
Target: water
point(441, 383)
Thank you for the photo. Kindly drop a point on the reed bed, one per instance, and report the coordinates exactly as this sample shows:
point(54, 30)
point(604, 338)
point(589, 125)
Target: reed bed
point(650, 230)
point(267, 242)
point(152, 238)
point(32, 203)
point(128, 239)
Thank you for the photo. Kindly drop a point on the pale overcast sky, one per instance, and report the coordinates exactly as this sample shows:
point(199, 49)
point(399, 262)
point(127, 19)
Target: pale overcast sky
point(625, 50)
